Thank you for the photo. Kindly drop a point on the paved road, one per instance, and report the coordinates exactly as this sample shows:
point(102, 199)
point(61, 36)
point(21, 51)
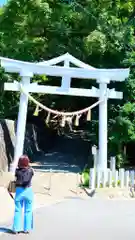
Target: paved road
point(78, 219)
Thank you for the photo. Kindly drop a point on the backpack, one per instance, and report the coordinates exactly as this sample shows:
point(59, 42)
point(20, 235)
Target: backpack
point(24, 177)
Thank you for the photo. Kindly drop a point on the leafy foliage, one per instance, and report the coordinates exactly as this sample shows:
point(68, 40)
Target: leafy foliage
point(100, 33)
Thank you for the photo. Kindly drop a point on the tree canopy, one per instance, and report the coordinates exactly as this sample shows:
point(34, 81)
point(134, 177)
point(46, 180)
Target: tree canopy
point(100, 33)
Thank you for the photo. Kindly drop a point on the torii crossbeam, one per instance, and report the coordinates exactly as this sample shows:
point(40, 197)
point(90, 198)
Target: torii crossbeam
point(85, 71)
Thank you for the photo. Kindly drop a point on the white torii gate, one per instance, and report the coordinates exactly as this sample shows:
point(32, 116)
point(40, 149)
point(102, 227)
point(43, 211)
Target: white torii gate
point(85, 71)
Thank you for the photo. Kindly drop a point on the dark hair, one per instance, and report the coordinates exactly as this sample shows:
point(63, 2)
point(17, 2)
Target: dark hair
point(23, 162)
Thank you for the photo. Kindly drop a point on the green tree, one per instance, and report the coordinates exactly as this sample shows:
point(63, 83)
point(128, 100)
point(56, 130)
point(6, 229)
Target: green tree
point(100, 33)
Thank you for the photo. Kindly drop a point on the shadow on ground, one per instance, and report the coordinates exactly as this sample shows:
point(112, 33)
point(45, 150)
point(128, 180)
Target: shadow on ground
point(5, 230)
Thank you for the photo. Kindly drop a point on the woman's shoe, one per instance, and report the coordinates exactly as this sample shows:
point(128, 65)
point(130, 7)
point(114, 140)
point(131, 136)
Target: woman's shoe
point(26, 232)
point(13, 232)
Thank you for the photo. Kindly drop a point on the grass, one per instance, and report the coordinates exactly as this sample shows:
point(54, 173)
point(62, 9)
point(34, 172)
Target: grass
point(86, 175)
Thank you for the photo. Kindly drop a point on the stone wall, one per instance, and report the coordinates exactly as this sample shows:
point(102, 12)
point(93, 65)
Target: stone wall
point(7, 142)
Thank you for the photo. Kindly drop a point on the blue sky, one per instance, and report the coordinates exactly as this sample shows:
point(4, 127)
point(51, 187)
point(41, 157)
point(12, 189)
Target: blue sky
point(2, 2)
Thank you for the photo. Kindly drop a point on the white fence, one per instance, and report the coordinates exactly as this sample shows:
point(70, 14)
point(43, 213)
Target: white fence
point(111, 178)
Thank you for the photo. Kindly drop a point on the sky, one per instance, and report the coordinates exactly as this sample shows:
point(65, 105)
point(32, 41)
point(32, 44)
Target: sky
point(2, 2)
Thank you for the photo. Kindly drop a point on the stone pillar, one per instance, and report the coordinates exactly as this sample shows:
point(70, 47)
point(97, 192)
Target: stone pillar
point(103, 124)
point(113, 164)
point(21, 122)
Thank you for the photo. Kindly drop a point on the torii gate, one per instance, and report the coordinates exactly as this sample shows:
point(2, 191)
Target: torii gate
point(85, 71)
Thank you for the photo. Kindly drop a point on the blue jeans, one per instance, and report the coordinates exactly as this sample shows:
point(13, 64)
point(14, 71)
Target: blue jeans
point(23, 199)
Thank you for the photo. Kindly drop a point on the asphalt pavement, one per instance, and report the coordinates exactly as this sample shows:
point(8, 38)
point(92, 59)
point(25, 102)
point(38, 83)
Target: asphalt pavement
point(77, 219)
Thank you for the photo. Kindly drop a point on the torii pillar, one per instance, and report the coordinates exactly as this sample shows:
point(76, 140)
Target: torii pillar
point(103, 76)
point(103, 122)
point(21, 121)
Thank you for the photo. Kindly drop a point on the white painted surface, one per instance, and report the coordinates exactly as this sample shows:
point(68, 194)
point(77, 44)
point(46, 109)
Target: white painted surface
point(21, 125)
point(126, 179)
point(113, 164)
point(116, 178)
point(98, 178)
point(114, 94)
point(85, 72)
point(132, 176)
point(121, 177)
point(65, 57)
point(94, 150)
point(65, 90)
point(66, 80)
point(18, 66)
point(92, 178)
point(104, 174)
point(109, 178)
point(103, 126)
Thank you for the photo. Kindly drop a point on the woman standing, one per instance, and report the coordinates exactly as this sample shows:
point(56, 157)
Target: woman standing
point(23, 196)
